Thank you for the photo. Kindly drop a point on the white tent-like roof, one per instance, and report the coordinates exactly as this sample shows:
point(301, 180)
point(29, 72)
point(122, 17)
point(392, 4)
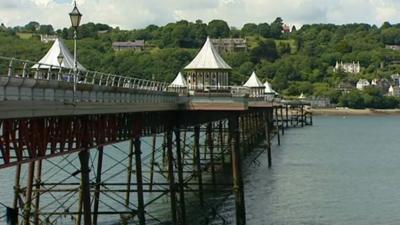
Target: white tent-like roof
point(302, 96)
point(179, 81)
point(268, 88)
point(208, 58)
point(51, 57)
point(253, 81)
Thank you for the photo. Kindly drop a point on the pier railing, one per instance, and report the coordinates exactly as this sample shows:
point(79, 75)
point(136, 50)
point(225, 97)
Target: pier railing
point(24, 73)
point(16, 68)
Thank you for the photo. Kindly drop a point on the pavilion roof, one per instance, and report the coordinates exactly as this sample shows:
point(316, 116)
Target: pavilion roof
point(208, 58)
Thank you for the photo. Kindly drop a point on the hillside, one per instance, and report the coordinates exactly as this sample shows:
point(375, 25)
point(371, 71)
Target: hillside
point(298, 62)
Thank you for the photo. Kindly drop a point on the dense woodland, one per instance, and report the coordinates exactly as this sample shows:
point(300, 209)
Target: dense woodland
point(301, 61)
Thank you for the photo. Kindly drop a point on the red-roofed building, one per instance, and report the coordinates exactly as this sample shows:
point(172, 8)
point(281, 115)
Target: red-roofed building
point(286, 29)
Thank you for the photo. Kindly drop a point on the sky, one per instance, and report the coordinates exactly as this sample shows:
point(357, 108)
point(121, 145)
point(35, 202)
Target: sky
point(130, 14)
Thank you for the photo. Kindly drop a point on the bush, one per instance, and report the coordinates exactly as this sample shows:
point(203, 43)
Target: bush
point(369, 98)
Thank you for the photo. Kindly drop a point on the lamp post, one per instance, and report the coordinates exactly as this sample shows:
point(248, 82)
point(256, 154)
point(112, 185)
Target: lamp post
point(75, 17)
point(60, 59)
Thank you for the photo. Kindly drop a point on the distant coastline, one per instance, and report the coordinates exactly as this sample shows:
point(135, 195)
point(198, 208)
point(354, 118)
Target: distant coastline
point(353, 112)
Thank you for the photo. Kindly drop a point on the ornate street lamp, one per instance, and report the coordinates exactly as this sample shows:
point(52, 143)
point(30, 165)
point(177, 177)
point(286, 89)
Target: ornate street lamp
point(76, 17)
point(60, 59)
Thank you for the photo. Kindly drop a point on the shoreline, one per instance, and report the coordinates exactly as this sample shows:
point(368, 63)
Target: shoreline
point(352, 112)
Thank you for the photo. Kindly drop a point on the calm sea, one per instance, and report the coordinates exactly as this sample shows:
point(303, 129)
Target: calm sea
point(341, 171)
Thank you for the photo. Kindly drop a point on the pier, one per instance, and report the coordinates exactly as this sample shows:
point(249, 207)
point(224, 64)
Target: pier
point(183, 141)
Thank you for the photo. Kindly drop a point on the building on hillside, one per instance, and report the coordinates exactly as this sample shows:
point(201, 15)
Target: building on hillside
point(393, 47)
point(394, 90)
point(396, 79)
point(230, 44)
point(103, 31)
point(3, 27)
point(256, 87)
point(285, 29)
point(136, 46)
point(207, 71)
point(345, 88)
point(302, 96)
point(362, 83)
point(320, 102)
point(45, 38)
point(382, 84)
point(353, 67)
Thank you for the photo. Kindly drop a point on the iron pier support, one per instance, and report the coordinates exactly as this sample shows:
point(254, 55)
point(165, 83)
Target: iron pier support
point(139, 181)
point(85, 187)
point(98, 185)
point(198, 164)
point(171, 177)
point(181, 187)
point(236, 171)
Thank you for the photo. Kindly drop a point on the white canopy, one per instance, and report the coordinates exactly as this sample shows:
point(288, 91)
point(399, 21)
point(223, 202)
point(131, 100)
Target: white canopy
point(302, 96)
point(208, 58)
point(179, 81)
point(268, 88)
point(253, 81)
point(51, 57)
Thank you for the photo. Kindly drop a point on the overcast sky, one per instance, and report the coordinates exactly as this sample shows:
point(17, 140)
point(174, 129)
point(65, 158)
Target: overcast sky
point(129, 14)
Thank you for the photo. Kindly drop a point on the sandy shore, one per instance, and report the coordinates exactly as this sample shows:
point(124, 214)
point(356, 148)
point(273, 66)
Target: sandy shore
point(355, 112)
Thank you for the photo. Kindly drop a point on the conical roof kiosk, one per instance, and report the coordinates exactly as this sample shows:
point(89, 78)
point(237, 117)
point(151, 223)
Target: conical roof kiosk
point(208, 71)
point(179, 84)
point(51, 58)
point(50, 65)
point(255, 85)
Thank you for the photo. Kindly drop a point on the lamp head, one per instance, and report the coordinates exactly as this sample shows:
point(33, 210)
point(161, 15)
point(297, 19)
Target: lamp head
point(60, 58)
point(75, 17)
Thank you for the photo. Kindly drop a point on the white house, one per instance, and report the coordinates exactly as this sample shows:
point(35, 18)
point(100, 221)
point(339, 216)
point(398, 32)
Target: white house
point(302, 96)
point(362, 83)
point(394, 91)
point(353, 67)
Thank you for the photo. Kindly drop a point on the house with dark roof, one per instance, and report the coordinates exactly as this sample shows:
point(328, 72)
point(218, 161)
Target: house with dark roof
point(137, 45)
point(230, 44)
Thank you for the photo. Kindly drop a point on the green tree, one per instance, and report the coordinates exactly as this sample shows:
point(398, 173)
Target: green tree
point(218, 29)
point(249, 29)
point(265, 50)
point(264, 29)
point(32, 26)
point(276, 28)
point(46, 29)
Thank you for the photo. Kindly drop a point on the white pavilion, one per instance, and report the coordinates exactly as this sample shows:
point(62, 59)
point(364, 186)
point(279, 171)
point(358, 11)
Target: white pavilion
point(50, 59)
point(179, 83)
point(207, 71)
point(257, 88)
point(269, 92)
